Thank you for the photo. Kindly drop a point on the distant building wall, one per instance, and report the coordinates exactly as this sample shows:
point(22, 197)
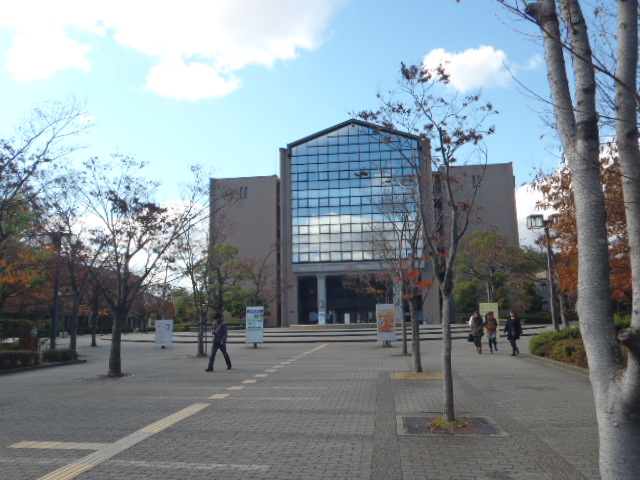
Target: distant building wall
point(494, 207)
point(250, 223)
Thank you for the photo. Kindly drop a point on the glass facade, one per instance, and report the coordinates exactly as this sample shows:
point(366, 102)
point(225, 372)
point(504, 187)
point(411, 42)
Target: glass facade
point(350, 188)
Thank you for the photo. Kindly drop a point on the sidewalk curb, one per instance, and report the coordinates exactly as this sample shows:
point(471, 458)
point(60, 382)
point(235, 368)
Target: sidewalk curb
point(40, 366)
point(555, 363)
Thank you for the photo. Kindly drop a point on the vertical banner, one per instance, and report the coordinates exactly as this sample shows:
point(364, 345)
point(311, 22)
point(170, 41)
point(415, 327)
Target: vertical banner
point(255, 325)
point(489, 307)
point(386, 318)
point(164, 333)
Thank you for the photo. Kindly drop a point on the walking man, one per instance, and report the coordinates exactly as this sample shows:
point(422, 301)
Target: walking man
point(219, 342)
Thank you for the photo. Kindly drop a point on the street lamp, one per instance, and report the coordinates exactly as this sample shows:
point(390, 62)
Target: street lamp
point(55, 239)
point(536, 222)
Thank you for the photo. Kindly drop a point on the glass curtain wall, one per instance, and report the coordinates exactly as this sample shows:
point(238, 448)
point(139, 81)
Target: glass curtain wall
point(350, 188)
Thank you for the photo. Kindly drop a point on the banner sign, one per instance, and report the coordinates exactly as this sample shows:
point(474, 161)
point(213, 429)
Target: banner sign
point(386, 319)
point(164, 333)
point(255, 325)
point(489, 307)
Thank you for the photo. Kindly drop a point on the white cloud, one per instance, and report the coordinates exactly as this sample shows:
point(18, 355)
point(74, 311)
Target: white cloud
point(205, 41)
point(477, 67)
point(33, 57)
point(173, 78)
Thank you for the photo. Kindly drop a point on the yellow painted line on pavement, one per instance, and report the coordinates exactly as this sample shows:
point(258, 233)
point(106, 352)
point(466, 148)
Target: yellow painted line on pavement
point(110, 450)
point(173, 419)
point(314, 350)
point(106, 451)
point(218, 396)
point(237, 387)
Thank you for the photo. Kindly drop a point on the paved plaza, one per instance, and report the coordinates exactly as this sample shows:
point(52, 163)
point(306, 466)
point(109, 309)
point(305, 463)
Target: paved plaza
point(294, 410)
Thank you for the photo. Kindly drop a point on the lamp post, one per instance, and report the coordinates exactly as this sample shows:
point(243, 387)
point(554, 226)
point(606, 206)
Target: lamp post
point(55, 239)
point(536, 222)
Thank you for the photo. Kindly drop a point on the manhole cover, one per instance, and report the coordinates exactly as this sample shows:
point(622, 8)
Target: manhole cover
point(471, 426)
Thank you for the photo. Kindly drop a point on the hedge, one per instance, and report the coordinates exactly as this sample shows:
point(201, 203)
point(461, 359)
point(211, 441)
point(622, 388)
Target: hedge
point(18, 358)
point(59, 355)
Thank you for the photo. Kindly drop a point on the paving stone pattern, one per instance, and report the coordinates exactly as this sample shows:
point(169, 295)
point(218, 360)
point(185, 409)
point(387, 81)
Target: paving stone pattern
point(313, 411)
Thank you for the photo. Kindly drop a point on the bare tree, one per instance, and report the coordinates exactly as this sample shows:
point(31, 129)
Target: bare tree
point(42, 140)
point(135, 232)
point(456, 128)
point(401, 252)
point(565, 33)
point(194, 254)
point(65, 217)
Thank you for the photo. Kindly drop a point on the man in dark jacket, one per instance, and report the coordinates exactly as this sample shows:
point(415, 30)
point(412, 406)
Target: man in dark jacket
point(513, 329)
point(219, 342)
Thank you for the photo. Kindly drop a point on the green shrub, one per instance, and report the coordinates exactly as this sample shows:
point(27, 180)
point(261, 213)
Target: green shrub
point(183, 327)
point(17, 358)
point(59, 355)
point(553, 336)
point(563, 346)
point(622, 321)
point(537, 318)
point(237, 325)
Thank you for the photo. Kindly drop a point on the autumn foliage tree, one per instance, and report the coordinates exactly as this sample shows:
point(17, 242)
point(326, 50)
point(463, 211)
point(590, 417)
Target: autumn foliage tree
point(558, 196)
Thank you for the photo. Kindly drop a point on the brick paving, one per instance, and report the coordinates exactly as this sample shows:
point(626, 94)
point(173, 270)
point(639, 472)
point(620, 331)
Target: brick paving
point(312, 411)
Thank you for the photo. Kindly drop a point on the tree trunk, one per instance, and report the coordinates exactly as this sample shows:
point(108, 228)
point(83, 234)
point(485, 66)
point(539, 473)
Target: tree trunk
point(448, 311)
point(627, 138)
point(405, 350)
point(616, 395)
point(115, 362)
point(415, 334)
point(94, 320)
point(201, 331)
point(73, 327)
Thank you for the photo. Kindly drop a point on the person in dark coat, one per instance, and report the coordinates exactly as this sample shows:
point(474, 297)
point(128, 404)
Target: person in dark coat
point(513, 329)
point(219, 342)
point(477, 330)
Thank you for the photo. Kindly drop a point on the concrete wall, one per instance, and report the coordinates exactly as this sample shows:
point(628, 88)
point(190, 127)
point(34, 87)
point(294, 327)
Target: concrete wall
point(250, 223)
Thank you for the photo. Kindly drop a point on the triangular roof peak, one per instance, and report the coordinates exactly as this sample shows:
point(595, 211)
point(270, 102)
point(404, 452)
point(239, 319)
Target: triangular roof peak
point(354, 122)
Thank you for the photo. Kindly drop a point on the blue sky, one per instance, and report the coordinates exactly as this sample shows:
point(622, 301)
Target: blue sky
point(226, 83)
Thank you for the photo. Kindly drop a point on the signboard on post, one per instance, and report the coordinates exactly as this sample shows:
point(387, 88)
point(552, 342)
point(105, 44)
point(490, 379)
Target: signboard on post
point(386, 319)
point(489, 307)
point(164, 333)
point(255, 325)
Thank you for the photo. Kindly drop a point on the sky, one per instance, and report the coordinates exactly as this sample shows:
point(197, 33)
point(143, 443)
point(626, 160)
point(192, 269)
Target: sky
point(226, 83)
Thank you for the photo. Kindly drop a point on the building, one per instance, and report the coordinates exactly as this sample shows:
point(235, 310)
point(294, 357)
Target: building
point(341, 190)
point(245, 213)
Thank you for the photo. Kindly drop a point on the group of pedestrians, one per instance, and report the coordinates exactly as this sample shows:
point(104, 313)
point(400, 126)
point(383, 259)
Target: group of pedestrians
point(512, 328)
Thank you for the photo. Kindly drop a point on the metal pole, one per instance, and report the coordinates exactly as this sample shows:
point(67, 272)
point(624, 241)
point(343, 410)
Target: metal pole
point(552, 289)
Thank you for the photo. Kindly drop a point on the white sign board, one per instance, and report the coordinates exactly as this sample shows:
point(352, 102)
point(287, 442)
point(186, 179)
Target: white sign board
point(255, 325)
point(386, 319)
point(164, 333)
